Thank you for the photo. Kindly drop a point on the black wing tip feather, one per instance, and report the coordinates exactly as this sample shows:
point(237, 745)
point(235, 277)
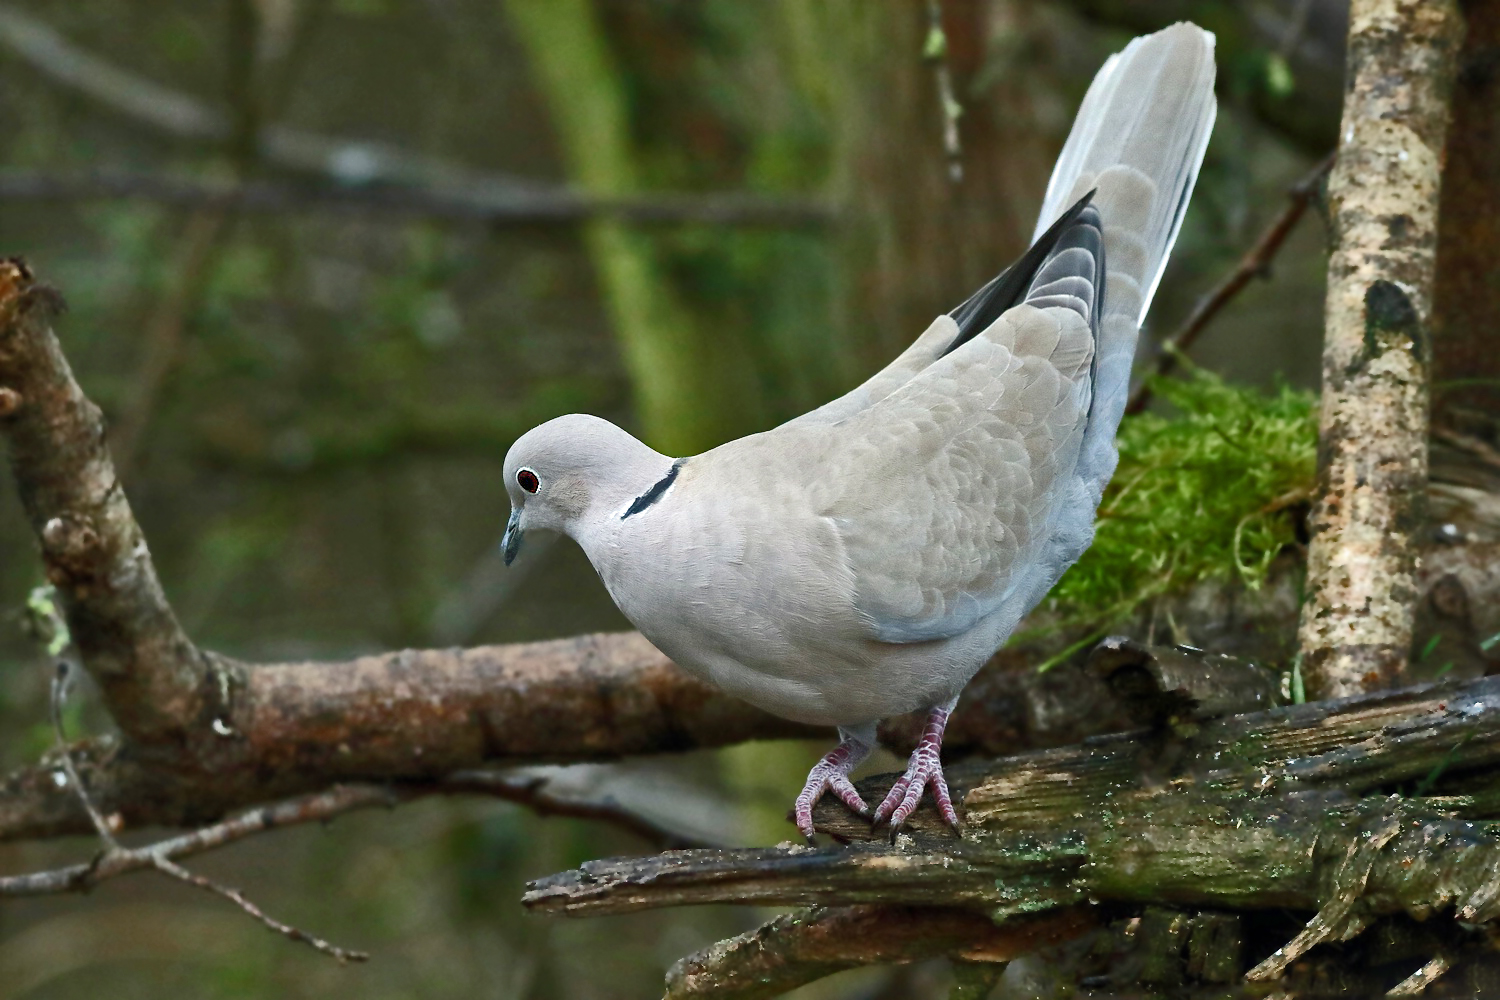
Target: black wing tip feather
point(982, 308)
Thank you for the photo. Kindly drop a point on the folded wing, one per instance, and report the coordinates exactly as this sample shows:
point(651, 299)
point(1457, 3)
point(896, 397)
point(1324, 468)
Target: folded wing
point(968, 479)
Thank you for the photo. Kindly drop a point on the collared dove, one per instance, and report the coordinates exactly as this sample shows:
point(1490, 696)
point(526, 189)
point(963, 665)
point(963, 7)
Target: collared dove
point(865, 559)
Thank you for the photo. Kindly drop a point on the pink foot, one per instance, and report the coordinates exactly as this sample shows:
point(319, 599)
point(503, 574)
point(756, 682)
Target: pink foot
point(831, 774)
point(924, 768)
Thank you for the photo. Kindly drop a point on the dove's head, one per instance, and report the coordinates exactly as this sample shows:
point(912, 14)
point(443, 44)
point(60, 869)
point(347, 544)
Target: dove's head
point(570, 469)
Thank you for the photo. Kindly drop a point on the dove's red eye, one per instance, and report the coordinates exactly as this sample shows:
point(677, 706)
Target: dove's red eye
point(528, 480)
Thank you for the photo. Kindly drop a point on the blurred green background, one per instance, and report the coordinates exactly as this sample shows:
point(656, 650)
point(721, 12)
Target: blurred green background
point(311, 402)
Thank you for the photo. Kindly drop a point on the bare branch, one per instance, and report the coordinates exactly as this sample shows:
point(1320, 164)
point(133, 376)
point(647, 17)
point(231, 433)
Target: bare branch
point(117, 860)
point(411, 717)
point(140, 99)
point(238, 898)
point(1357, 624)
point(59, 694)
point(321, 807)
point(1256, 263)
point(152, 676)
point(529, 208)
point(1416, 984)
point(1268, 810)
point(799, 948)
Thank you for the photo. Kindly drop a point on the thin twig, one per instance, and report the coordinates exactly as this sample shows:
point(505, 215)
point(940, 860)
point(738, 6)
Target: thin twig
point(116, 860)
point(935, 51)
point(319, 807)
point(238, 898)
point(61, 682)
point(1416, 983)
point(798, 948)
point(1477, 447)
point(1255, 263)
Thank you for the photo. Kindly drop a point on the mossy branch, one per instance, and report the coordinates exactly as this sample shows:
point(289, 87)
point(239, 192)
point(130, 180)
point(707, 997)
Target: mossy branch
point(1298, 808)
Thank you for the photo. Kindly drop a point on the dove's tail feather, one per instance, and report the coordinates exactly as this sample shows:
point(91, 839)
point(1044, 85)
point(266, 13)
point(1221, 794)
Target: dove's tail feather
point(1137, 143)
point(1138, 139)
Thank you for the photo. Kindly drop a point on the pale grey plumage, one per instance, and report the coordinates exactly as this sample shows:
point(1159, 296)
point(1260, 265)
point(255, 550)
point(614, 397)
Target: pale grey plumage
point(866, 558)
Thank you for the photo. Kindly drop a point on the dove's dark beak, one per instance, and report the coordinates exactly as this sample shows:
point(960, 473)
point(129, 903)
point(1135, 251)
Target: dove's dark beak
point(511, 543)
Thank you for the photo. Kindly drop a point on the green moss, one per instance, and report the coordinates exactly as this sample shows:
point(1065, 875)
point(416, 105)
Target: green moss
point(1206, 493)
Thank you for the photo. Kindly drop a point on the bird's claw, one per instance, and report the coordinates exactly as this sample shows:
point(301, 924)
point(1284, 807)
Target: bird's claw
point(924, 769)
point(831, 774)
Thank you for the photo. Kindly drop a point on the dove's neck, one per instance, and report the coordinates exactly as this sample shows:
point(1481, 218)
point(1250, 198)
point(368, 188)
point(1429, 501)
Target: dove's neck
point(629, 482)
point(627, 532)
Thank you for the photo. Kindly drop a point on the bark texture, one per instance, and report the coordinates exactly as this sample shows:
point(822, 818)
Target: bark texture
point(798, 948)
point(1357, 810)
point(155, 681)
point(1356, 630)
point(1245, 811)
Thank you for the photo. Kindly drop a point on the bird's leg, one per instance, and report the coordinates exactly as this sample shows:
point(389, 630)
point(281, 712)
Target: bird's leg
point(924, 768)
point(831, 774)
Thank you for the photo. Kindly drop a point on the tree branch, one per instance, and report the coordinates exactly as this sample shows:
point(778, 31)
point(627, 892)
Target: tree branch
point(798, 948)
point(412, 717)
point(238, 898)
point(117, 860)
point(154, 680)
point(531, 792)
point(1356, 630)
point(1283, 809)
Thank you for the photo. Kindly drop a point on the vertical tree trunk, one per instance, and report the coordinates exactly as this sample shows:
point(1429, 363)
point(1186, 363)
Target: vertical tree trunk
point(1466, 306)
point(1356, 626)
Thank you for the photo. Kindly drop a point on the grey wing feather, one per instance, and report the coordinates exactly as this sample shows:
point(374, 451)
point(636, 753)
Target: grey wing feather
point(967, 485)
point(946, 490)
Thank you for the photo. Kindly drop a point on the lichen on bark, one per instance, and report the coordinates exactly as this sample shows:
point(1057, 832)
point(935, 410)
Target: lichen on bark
point(1356, 627)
